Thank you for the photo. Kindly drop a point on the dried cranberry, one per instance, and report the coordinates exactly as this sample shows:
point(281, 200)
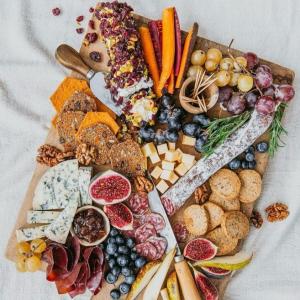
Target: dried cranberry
point(95, 56)
point(79, 19)
point(56, 11)
point(91, 24)
point(91, 37)
point(91, 10)
point(79, 30)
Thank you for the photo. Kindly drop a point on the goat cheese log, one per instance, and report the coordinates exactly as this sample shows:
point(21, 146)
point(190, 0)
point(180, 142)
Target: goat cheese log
point(237, 143)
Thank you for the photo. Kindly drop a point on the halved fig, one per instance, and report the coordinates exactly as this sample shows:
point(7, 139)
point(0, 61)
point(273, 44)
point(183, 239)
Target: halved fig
point(216, 273)
point(206, 287)
point(200, 249)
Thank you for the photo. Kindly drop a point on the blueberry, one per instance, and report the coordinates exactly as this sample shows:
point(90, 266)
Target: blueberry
point(234, 164)
point(172, 135)
point(126, 271)
point(200, 142)
point(124, 288)
point(249, 156)
point(115, 294)
point(174, 124)
point(162, 116)
point(122, 260)
point(201, 119)
point(252, 164)
point(123, 249)
point(147, 133)
point(116, 271)
point(111, 249)
point(160, 137)
point(167, 101)
point(133, 255)
point(140, 262)
point(120, 240)
point(251, 149)
point(245, 164)
point(111, 262)
point(130, 279)
point(131, 265)
point(190, 129)
point(111, 240)
point(262, 147)
point(130, 243)
point(114, 232)
point(110, 278)
point(177, 113)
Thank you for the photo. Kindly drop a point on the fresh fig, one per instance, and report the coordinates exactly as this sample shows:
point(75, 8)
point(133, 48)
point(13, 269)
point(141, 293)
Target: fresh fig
point(120, 216)
point(206, 287)
point(109, 188)
point(216, 273)
point(200, 249)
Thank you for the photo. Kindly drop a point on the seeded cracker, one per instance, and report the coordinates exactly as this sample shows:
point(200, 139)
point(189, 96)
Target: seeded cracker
point(80, 101)
point(251, 186)
point(227, 205)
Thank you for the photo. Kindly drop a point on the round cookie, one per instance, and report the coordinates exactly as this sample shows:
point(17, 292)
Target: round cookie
point(225, 183)
point(224, 243)
point(251, 186)
point(196, 219)
point(227, 205)
point(215, 214)
point(235, 224)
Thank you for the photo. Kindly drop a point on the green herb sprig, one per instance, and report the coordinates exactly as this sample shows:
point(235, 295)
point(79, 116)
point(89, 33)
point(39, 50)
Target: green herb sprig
point(220, 129)
point(276, 130)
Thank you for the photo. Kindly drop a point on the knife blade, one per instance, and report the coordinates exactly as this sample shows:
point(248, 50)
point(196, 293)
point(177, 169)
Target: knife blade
point(71, 59)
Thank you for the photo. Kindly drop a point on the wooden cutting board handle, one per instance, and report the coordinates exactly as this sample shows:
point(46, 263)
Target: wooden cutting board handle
point(71, 59)
point(187, 283)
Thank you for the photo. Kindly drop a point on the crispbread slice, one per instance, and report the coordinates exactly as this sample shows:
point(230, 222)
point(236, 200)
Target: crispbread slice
point(251, 186)
point(127, 158)
point(215, 213)
point(224, 243)
point(225, 183)
point(235, 224)
point(80, 101)
point(227, 205)
point(196, 219)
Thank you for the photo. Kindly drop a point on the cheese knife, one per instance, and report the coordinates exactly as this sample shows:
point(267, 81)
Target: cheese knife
point(71, 59)
point(185, 277)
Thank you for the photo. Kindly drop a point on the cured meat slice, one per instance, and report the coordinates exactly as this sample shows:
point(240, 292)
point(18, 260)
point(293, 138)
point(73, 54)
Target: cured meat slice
point(144, 232)
point(155, 219)
point(233, 146)
point(160, 244)
point(147, 250)
point(138, 203)
point(181, 232)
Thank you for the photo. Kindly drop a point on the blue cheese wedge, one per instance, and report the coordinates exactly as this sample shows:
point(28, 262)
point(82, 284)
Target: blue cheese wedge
point(59, 229)
point(85, 174)
point(41, 217)
point(28, 234)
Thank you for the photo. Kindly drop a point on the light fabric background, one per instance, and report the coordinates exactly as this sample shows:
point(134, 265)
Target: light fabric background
point(29, 74)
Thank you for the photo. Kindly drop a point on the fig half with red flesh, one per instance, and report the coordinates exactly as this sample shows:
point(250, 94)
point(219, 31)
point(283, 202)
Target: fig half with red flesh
point(120, 216)
point(207, 288)
point(109, 188)
point(200, 249)
point(216, 273)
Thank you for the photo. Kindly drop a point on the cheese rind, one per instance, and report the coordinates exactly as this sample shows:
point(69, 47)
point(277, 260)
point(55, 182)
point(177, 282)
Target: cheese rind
point(181, 169)
point(167, 165)
point(41, 217)
point(187, 140)
point(156, 172)
point(29, 234)
point(162, 186)
point(162, 149)
point(155, 158)
point(85, 174)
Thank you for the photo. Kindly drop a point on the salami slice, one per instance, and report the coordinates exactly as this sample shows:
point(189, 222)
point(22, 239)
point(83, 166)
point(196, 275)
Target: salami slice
point(155, 219)
point(138, 203)
point(181, 232)
point(160, 243)
point(144, 232)
point(147, 250)
point(131, 233)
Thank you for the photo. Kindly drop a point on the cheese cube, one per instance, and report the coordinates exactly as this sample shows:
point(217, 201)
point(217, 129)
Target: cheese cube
point(188, 160)
point(148, 149)
point(181, 169)
point(167, 165)
point(171, 155)
point(165, 174)
point(162, 186)
point(179, 154)
point(172, 146)
point(162, 149)
point(173, 178)
point(156, 172)
point(154, 158)
point(187, 140)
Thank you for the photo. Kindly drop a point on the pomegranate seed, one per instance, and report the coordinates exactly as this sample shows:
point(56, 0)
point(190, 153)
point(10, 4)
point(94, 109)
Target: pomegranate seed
point(56, 11)
point(95, 56)
point(91, 37)
point(91, 24)
point(91, 10)
point(79, 19)
point(79, 30)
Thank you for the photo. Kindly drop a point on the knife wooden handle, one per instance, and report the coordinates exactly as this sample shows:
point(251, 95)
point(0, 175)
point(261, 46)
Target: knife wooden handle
point(71, 59)
point(187, 283)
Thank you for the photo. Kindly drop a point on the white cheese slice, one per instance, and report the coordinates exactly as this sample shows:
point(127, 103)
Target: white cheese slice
point(188, 140)
point(167, 165)
point(154, 158)
point(173, 178)
point(148, 149)
point(156, 172)
point(171, 155)
point(188, 160)
point(28, 234)
point(162, 186)
point(181, 169)
point(162, 149)
point(41, 217)
point(165, 174)
point(59, 229)
point(85, 174)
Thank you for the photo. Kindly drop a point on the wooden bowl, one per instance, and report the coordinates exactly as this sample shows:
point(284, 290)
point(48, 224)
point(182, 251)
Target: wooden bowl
point(211, 96)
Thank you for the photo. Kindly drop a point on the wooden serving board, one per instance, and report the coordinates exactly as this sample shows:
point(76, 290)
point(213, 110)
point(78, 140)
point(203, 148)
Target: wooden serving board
point(281, 75)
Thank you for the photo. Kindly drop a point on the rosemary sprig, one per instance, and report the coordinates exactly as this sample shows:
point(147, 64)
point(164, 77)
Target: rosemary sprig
point(276, 130)
point(220, 129)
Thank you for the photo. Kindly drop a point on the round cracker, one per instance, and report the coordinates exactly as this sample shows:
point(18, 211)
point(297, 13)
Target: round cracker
point(251, 186)
point(227, 205)
point(226, 184)
point(215, 214)
point(196, 219)
point(224, 243)
point(235, 224)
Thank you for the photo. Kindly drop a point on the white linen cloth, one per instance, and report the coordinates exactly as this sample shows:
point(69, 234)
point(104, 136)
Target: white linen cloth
point(29, 74)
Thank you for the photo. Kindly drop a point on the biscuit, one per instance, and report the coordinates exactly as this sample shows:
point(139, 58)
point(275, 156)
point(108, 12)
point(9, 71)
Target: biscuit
point(196, 219)
point(235, 224)
point(227, 205)
point(215, 213)
point(251, 186)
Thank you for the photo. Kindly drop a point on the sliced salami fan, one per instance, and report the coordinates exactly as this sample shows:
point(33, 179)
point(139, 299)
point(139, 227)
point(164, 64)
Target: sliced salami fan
point(131, 233)
point(138, 203)
point(181, 232)
point(144, 232)
point(147, 250)
point(155, 219)
point(160, 244)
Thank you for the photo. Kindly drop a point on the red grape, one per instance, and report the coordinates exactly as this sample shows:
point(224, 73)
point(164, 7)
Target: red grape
point(269, 91)
point(237, 104)
point(225, 94)
point(265, 105)
point(284, 92)
point(263, 68)
point(252, 60)
point(263, 79)
point(251, 99)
